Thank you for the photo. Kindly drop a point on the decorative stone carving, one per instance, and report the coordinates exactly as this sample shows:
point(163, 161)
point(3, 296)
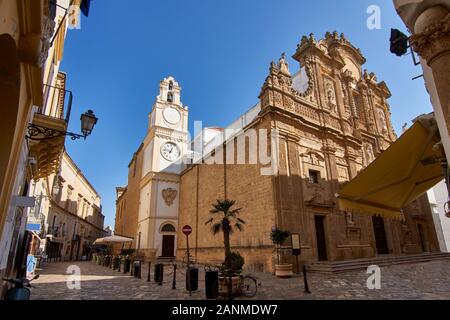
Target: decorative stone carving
point(431, 39)
point(283, 65)
point(368, 153)
point(382, 119)
point(349, 219)
point(169, 195)
point(331, 96)
point(353, 234)
point(312, 157)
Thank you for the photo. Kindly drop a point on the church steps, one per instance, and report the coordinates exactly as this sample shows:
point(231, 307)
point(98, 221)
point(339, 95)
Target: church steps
point(349, 265)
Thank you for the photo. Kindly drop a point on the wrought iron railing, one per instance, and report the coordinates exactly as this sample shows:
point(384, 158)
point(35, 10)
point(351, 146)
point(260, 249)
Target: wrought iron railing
point(57, 103)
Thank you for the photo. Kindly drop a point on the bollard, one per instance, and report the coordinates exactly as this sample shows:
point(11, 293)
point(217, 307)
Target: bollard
point(149, 268)
point(305, 280)
point(159, 273)
point(211, 284)
point(174, 282)
point(137, 271)
point(127, 265)
point(132, 268)
point(192, 279)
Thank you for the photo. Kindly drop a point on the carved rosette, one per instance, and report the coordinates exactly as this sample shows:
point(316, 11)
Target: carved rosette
point(169, 195)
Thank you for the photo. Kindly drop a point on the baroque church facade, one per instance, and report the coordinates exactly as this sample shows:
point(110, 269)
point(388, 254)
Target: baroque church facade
point(332, 119)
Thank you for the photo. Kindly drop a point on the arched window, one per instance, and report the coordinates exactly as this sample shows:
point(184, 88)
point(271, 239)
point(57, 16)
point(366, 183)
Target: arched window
point(170, 85)
point(168, 228)
point(170, 97)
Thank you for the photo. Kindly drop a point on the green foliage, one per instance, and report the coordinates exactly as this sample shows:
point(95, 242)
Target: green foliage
point(224, 218)
point(278, 236)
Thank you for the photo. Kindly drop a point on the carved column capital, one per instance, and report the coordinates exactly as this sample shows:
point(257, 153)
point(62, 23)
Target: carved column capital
point(432, 39)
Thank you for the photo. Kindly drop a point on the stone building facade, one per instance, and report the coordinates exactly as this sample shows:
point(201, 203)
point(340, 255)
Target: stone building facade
point(324, 124)
point(30, 62)
point(69, 210)
point(147, 208)
point(333, 120)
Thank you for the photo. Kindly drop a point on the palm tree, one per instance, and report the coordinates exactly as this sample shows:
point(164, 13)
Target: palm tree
point(225, 219)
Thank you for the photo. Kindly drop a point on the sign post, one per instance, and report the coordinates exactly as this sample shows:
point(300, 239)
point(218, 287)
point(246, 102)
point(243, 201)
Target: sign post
point(187, 230)
point(296, 251)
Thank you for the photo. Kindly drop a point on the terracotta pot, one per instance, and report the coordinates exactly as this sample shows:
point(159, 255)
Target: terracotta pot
point(283, 270)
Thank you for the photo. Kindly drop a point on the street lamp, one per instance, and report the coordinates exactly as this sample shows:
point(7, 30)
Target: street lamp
point(88, 121)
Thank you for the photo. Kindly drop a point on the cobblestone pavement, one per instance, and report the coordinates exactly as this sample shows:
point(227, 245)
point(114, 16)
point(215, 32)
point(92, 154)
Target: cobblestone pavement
point(430, 280)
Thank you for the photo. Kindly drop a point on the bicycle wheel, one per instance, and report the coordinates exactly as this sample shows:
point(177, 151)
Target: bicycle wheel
point(248, 286)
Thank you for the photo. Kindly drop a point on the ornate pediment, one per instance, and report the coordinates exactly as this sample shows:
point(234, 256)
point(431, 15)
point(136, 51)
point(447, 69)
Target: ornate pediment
point(312, 157)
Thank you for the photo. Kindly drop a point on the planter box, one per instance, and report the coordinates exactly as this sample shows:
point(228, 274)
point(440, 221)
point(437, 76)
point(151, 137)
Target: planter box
point(223, 285)
point(283, 270)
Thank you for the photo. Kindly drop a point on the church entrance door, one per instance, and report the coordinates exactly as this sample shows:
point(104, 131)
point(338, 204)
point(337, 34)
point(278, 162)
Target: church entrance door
point(422, 237)
point(168, 246)
point(320, 236)
point(380, 235)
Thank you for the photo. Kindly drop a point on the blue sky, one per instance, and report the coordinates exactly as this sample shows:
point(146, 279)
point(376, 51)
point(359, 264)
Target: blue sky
point(219, 51)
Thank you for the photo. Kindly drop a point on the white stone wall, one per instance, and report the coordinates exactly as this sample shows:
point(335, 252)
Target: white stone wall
point(438, 196)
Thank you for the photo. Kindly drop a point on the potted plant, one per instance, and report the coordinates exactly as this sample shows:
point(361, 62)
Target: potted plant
point(225, 219)
point(230, 270)
point(282, 270)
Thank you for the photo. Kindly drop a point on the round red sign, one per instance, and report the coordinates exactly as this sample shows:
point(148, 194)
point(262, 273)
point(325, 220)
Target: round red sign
point(187, 230)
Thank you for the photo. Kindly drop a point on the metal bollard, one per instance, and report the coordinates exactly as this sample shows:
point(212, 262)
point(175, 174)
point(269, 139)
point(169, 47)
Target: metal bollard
point(149, 268)
point(305, 280)
point(137, 271)
point(174, 282)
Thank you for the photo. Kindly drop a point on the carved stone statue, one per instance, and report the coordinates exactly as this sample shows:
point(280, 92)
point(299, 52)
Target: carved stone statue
point(368, 153)
point(283, 64)
point(349, 218)
point(382, 119)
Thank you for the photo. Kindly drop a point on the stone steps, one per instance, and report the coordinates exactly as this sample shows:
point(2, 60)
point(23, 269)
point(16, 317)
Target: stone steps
point(356, 264)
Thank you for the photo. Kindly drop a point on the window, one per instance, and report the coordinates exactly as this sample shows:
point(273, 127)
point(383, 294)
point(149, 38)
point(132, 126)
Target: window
point(168, 228)
point(170, 97)
point(314, 176)
point(68, 197)
point(170, 85)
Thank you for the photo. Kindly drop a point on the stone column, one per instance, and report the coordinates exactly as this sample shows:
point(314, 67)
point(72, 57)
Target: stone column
point(431, 40)
point(351, 157)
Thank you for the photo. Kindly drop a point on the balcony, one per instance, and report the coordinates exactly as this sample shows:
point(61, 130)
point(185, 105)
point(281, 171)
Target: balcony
point(45, 142)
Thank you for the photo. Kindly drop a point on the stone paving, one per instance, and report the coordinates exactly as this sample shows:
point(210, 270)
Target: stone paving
point(429, 280)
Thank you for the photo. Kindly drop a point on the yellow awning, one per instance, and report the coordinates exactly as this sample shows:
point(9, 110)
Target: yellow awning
point(407, 169)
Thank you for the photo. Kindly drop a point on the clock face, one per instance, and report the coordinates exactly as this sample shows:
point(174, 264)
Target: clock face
point(170, 151)
point(171, 115)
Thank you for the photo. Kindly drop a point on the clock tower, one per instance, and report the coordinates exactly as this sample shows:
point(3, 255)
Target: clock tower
point(163, 147)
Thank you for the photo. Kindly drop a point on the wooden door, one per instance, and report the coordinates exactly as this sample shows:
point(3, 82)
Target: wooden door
point(321, 239)
point(380, 235)
point(168, 246)
point(422, 239)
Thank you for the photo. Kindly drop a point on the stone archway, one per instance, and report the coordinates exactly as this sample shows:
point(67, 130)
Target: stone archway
point(10, 93)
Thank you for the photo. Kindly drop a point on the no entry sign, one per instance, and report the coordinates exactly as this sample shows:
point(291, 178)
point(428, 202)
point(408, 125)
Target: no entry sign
point(187, 230)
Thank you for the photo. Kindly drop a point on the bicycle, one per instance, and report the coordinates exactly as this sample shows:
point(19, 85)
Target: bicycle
point(247, 285)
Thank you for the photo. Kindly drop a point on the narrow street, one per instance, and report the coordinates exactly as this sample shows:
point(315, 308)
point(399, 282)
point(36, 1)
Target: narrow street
point(430, 280)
